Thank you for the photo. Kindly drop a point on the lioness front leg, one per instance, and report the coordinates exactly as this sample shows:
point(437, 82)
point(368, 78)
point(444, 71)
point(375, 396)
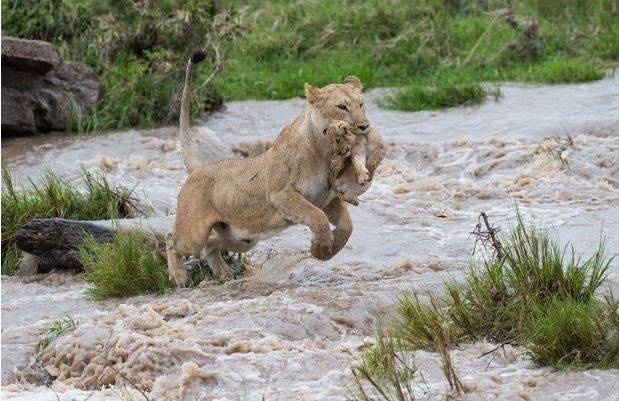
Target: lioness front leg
point(338, 215)
point(294, 207)
point(176, 270)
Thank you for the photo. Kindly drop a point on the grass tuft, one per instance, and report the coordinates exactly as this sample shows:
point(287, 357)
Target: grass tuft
point(534, 294)
point(563, 70)
point(60, 326)
point(131, 265)
point(54, 197)
point(442, 94)
point(390, 372)
point(564, 332)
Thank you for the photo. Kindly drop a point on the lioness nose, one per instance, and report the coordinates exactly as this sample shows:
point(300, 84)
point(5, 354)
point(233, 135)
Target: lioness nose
point(363, 127)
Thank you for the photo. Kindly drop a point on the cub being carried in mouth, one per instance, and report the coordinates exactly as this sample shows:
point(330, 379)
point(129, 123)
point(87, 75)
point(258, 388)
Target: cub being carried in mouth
point(364, 150)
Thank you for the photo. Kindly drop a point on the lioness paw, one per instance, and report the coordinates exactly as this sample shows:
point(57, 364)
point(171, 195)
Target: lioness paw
point(179, 277)
point(364, 177)
point(322, 246)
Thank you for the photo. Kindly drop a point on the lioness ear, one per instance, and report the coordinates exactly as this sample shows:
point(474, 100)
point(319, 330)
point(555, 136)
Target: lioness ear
point(311, 93)
point(354, 82)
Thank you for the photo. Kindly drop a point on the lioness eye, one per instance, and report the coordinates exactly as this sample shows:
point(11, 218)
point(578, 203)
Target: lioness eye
point(361, 104)
point(342, 107)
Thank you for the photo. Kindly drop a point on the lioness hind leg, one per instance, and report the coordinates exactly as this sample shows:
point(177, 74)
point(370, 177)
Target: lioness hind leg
point(212, 252)
point(176, 271)
point(218, 265)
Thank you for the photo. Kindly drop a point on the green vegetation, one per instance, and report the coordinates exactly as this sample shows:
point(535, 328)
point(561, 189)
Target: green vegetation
point(533, 294)
point(60, 326)
point(563, 70)
point(138, 50)
point(417, 44)
point(131, 265)
point(272, 48)
point(443, 92)
point(134, 264)
point(54, 197)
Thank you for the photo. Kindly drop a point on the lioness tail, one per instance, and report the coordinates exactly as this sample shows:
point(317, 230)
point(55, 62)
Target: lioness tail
point(191, 161)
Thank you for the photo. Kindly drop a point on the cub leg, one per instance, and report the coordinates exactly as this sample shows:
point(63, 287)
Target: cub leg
point(358, 161)
point(377, 153)
point(213, 249)
point(336, 164)
point(294, 207)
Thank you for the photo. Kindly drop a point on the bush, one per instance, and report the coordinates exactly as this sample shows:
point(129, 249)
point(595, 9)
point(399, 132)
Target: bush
point(54, 197)
point(131, 265)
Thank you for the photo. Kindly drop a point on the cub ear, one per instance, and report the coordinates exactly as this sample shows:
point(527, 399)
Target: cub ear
point(354, 82)
point(311, 93)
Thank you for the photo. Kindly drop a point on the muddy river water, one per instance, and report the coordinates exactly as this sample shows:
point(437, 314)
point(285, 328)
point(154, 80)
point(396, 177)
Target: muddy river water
point(289, 330)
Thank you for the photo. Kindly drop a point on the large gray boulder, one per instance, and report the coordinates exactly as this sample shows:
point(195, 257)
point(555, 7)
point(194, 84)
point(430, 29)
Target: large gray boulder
point(33, 56)
point(38, 88)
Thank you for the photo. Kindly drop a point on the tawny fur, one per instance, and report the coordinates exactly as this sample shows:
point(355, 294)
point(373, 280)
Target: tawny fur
point(232, 204)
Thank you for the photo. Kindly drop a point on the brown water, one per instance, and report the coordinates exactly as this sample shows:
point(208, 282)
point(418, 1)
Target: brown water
point(290, 329)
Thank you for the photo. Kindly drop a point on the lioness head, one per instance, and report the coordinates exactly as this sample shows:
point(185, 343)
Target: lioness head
point(339, 102)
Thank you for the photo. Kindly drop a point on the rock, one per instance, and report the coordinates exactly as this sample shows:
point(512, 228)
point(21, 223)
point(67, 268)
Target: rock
point(33, 56)
point(17, 115)
point(55, 241)
point(38, 87)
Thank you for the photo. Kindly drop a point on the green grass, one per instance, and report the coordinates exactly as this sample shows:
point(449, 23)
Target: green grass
point(563, 70)
point(443, 93)
point(564, 332)
point(60, 326)
point(271, 48)
point(131, 265)
point(396, 43)
point(54, 197)
point(535, 294)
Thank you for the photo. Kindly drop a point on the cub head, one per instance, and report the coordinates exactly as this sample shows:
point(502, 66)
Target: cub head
point(340, 102)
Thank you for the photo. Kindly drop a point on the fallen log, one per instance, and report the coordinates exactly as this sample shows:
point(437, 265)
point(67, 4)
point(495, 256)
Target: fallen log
point(55, 242)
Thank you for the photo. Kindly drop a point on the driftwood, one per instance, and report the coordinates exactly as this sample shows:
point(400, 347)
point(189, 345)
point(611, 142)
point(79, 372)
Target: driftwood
point(53, 243)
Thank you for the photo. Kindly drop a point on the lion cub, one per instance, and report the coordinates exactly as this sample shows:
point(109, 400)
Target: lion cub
point(359, 149)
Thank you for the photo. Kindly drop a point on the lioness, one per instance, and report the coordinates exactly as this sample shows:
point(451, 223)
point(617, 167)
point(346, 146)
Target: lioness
point(232, 204)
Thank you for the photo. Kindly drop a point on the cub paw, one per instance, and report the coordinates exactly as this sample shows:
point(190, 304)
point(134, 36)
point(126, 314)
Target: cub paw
point(349, 198)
